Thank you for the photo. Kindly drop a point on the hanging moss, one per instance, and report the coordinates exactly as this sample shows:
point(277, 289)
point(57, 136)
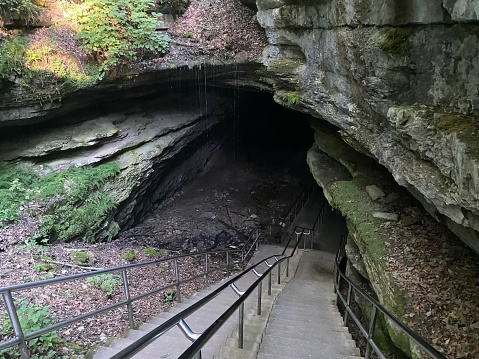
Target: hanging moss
point(397, 42)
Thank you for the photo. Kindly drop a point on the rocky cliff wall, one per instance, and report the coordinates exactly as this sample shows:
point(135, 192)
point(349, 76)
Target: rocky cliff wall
point(160, 142)
point(399, 79)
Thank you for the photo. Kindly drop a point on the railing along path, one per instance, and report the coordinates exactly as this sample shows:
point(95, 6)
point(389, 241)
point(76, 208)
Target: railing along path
point(200, 339)
point(21, 338)
point(367, 331)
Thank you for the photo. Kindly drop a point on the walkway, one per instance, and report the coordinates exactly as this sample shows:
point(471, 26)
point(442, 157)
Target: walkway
point(305, 322)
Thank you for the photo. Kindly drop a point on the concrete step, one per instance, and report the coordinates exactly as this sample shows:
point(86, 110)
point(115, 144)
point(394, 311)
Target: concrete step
point(331, 340)
point(120, 343)
point(319, 335)
point(324, 318)
point(235, 353)
point(301, 348)
point(318, 356)
point(313, 304)
point(105, 353)
point(305, 329)
point(321, 308)
point(250, 345)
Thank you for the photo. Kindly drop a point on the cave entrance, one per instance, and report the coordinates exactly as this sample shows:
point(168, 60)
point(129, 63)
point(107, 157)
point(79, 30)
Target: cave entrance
point(278, 138)
point(253, 178)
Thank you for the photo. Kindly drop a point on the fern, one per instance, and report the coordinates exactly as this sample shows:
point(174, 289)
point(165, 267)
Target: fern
point(118, 31)
point(80, 207)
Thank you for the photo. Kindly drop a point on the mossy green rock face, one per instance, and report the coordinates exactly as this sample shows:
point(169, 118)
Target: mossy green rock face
point(80, 257)
point(344, 184)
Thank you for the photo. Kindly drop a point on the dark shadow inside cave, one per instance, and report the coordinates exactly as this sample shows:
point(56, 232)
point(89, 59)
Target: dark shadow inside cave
point(254, 177)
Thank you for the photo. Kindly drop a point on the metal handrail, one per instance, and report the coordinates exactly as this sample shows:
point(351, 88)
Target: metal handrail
point(254, 239)
point(368, 333)
point(297, 205)
point(20, 338)
point(200, 339)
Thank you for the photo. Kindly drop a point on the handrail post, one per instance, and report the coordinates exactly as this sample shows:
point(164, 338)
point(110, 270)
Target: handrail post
point(17, 327)
point(207, 268)
point(269, 283)
point(260, 289)
point(227, 263)
point(129, 306)
point(192, 336)
point(177, 277)
point(257, 238)
point(287, 267)
point(241, 326)
point(279, 273)
point(372, 326)
point(348, 302)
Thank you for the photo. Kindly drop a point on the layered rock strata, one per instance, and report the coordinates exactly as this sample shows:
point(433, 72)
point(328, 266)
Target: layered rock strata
point(400, 80)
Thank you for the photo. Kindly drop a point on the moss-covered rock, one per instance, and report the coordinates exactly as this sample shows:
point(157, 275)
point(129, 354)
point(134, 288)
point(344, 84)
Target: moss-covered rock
point(80, 257)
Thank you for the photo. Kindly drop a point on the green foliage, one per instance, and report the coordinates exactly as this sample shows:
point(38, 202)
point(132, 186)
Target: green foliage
point(351, 199)
point(25, 11)
point(108, 283)
point(32, 318)
point(290, 98)
point(397, 41)
point(15, 189)
point(129, 256)
point(176, 6)
point(41, 64)
point(152, 252)
point(50, 63)
point(79, 208)
point(169, 296)
point(117, 31)
point(11, 57)
point(42, 267)
point(80, 257)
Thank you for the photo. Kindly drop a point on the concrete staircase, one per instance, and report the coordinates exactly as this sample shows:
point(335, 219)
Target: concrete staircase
point(305, 322)
point(173, 343)
point(299, 319)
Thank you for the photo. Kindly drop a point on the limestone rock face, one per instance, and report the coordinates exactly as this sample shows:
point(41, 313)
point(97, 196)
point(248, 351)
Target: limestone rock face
point(157, 145)
point(462, 10)
point(405, 96)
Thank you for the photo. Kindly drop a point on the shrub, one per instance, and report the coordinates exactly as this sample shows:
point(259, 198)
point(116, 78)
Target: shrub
point(50, 63)
point(25, 11)
point(169, 296)
point(80, 205)
point(32, 317)
point(129, 256)
point(290, 98)
point(11, 57)
point(152, 252)
point(107, 283)
point(117, 31)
